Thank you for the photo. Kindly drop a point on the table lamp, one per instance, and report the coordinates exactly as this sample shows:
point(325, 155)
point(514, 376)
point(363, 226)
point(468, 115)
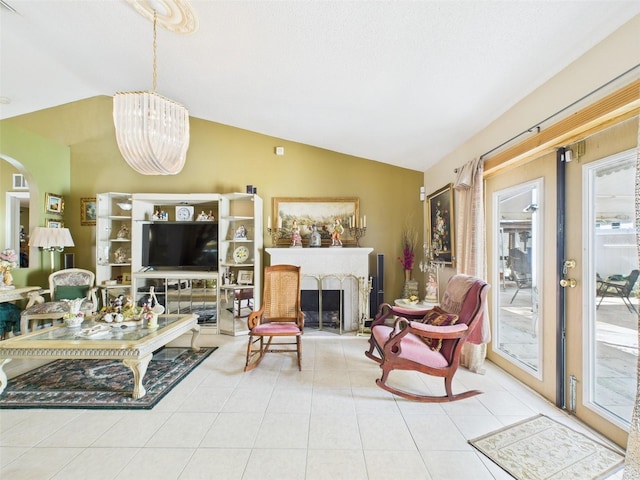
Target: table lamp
point(51, 239)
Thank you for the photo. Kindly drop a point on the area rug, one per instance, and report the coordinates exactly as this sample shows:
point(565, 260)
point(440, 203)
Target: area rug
point(540, 448)
point(105, 384)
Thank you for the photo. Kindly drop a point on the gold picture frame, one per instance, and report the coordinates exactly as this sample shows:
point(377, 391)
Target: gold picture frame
point(441, 214)
point(245, 277)
point(88, 211)
point(309, 211)
point(54, 203)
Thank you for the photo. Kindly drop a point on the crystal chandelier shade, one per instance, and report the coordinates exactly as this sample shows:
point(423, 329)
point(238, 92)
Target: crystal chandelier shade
point(152, 131)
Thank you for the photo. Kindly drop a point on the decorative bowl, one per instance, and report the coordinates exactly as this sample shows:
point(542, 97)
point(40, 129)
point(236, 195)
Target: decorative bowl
point(73, 322)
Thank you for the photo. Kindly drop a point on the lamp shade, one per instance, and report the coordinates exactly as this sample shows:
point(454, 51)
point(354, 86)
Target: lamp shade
point(51, 238)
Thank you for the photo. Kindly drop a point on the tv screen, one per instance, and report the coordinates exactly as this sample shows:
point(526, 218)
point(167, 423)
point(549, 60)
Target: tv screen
point(189, 245)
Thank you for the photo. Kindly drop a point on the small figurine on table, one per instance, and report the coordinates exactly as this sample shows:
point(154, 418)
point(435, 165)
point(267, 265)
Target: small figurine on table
point(315, 240)
point(336, 235)
point(241, 232)
point(296, 238)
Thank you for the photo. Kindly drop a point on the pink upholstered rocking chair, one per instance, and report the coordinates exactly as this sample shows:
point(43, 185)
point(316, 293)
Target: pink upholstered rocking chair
point(428, 341)
point(279, 317)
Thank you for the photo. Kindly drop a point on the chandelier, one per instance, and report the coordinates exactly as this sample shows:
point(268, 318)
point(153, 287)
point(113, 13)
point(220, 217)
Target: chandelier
point(152, 131)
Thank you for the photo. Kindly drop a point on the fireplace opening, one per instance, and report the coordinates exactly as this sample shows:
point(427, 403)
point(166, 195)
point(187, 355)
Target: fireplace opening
point(332, 310)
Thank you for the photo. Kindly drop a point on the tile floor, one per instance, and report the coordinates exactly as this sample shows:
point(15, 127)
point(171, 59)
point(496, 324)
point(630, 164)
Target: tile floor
point(329, 421)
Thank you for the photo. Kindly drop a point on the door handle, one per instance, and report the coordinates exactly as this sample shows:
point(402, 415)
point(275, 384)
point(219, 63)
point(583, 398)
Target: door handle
point(568, 282)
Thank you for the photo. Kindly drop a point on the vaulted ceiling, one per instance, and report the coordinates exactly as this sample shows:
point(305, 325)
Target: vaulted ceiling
point(400, 82)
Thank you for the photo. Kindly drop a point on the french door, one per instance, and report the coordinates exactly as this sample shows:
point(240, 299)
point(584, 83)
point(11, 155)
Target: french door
point(563, 321)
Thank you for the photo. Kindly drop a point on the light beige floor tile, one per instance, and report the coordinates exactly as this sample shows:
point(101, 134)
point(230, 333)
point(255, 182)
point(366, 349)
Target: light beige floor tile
point(214, 463)
point(283, 430)
point(83, 430)
point(290, 400)
point(334, 432)
point(436, 432)
point(39, 463)
point(472, 426)
point(9, 454)
point(399, 465)
point(96, 464)
point(444, 465)
point(338, 401)
point(183, 429)
point(233, 430)
point(505, 403)
point(156, 464)
point(248, 399)
point(374, 400)
point(384, 432)
point(336, 465)
point(133, 430)
point(331, 378)
point(283, 464)
point(37, 427)
point(207, 399)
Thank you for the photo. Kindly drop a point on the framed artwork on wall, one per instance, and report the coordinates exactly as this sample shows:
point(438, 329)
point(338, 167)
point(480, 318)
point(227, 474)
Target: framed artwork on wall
point(303, 213)
point(52, 223)
point(88, 211)
point(54, 203)
point(440, 210)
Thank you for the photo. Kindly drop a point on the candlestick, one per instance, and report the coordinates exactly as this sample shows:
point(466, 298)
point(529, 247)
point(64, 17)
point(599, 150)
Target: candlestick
point(358, 233)
point(275, 235)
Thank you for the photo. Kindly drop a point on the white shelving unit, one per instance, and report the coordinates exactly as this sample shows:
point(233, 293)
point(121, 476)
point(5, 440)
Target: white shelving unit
point(113, 244)
point(240, 260)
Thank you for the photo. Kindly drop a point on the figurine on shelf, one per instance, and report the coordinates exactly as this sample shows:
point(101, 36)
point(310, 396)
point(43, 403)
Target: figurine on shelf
point(296, 238)
point(156, 215)
point(336, 234)
point(121, 255)
point(202, 217)
point(123, 233)
point(241, 232)
point(315, 240)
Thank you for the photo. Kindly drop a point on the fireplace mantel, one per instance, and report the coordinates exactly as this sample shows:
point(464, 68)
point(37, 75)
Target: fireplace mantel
point(322, 266)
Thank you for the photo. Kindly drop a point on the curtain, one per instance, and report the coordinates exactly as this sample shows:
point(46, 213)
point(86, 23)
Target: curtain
point(471, 256)
point(632, 460)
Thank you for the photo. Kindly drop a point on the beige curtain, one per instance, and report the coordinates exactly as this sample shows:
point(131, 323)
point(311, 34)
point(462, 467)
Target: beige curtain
point(632, 461)
point(471, 258)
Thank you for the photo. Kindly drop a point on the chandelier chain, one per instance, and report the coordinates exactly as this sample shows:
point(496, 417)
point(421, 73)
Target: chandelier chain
point(155, 67)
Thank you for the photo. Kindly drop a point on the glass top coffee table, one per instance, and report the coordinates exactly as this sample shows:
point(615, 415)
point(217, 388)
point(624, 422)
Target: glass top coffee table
point(132, 344)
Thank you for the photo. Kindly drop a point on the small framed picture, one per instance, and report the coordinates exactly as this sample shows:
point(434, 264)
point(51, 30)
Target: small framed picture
point(51, 223)
point(54, 203)
point(126, 278)
point(88, 211)
point(245, 277)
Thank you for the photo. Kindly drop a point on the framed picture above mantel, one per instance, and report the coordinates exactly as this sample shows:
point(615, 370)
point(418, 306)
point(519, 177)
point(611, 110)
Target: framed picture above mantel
point(440, 210)
point(302, 213)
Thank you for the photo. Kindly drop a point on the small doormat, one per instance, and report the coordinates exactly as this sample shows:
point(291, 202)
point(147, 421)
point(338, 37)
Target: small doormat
point(100, 383)
point(540, 448)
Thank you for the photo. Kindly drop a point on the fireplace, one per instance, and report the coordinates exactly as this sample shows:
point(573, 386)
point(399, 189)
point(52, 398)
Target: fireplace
point(328, 313)
point(343, 272)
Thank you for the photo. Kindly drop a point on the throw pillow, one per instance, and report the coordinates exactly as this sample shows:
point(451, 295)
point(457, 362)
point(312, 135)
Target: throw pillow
point(438, 318)
point(71, 292)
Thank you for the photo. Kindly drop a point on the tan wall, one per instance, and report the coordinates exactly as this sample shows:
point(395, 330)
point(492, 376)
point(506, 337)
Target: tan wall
point(225, 159)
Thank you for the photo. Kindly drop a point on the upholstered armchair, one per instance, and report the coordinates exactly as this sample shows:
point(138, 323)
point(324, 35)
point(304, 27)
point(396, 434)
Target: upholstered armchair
point(68, 284)
point(431, 344)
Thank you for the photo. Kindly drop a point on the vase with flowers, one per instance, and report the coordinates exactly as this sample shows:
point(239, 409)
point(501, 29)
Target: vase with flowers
point(8, 261)
point(409, 239)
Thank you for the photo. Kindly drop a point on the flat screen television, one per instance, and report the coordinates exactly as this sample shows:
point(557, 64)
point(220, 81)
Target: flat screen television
point(185, 245)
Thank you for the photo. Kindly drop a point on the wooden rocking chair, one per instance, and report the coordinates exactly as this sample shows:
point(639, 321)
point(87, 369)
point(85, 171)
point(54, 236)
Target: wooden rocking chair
point(279, 316)
point(431, 345)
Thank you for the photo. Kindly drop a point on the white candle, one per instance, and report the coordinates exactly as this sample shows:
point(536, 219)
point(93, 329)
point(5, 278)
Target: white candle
point(364, 224)
point(353, 221)
point(269, 221)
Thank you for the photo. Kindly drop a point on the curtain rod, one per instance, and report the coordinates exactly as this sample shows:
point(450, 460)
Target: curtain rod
point(537, 126)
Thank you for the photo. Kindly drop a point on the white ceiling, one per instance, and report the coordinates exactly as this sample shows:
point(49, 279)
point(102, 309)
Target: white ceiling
point(400, 82)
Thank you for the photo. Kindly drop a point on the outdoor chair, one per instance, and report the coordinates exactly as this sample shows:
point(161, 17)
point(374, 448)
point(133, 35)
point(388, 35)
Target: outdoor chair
point(279, 316)
point(68, 284)
point(622, 290)
point(432, 344)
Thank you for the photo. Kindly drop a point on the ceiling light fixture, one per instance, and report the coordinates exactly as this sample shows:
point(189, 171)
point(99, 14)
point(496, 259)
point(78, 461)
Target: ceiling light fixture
point(152, 131)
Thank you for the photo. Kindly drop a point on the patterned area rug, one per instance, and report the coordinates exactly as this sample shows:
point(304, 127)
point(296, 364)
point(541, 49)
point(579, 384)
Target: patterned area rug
point(100, 383)
point(540, 448)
